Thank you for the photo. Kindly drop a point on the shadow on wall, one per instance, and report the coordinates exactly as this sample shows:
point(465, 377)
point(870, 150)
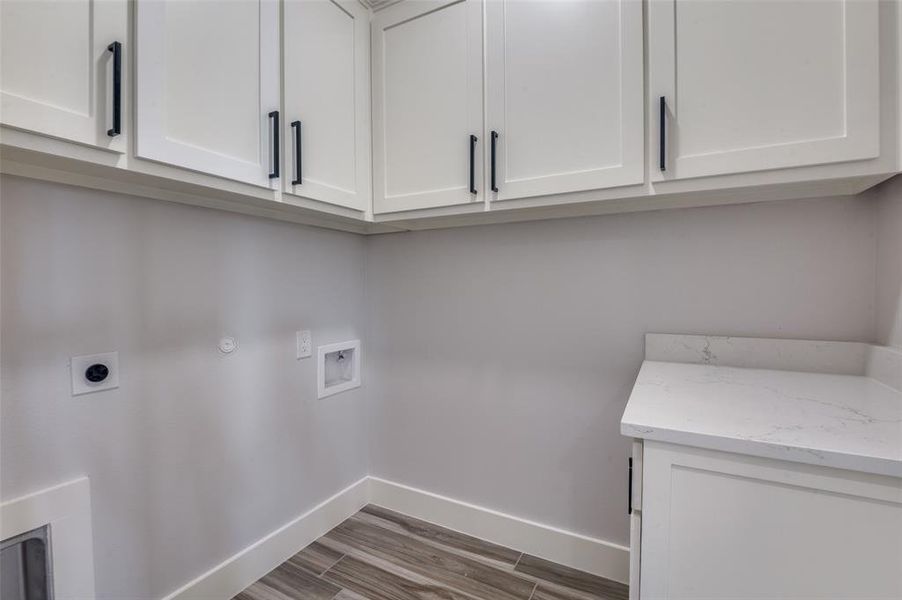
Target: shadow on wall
point(889, 262)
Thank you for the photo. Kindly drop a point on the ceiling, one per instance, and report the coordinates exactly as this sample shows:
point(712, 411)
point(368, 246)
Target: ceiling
point(377, 4)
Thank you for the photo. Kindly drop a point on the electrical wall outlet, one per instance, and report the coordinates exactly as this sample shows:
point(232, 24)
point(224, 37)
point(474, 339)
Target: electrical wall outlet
point(94, 373)
point(304, 344)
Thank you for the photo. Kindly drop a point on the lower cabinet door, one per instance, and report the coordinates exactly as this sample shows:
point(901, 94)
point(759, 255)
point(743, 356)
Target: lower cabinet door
point(208, 87)
point(718, 525)
point(58, 65)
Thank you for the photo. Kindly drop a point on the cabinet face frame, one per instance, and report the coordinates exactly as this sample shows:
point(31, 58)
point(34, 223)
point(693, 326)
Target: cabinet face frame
point(151, 140)
point(630, 170)
point(312, 187)
point(661, 462)
point(635, 514)
point(861, 138)
point(109, 23)
point(400, 14)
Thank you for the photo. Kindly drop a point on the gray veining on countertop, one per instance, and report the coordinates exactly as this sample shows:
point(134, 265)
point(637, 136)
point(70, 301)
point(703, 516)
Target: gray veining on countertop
point(840, 358)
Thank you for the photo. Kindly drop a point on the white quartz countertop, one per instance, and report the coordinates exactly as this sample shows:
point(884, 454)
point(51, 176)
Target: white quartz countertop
point(835, 420)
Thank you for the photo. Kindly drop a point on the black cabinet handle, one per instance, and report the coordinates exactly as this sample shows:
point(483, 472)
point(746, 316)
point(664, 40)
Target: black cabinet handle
point(629, 509)
point(662, 142)
point(494, 144)
point(116, 49)
point(296, 125)
point(274, 117)
point(472, 164)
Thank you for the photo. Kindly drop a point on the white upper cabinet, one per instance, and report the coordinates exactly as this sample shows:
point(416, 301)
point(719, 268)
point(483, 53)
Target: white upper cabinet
point(208, 86)
point(751, 85)
point(564, 90)
point(58, 69)
point(326, 78)
point(427, 104)
point(435, 109)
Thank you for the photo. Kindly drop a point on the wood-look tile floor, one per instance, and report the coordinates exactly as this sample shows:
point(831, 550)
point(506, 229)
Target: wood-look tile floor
point(381, 555)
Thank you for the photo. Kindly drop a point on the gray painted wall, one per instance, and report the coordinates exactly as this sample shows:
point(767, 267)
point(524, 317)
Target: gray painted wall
point(197, 455)
point(498, 359)
point(501, 357)
point(889, 262)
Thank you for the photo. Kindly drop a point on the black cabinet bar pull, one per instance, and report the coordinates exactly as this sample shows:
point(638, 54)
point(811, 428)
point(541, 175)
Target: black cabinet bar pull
point(116, 49)
point(629, 510)
point(296, 125)
point(662, 163)
point(472, 164)
point(274, 117)
point(494, 144)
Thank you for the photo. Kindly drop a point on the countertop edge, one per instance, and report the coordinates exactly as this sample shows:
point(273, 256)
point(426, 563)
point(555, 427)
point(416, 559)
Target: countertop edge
point(763, 449)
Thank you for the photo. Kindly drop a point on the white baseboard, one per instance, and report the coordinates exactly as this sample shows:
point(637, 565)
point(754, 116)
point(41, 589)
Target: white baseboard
point(236, 573)
point(581, 552)
point(563, 547)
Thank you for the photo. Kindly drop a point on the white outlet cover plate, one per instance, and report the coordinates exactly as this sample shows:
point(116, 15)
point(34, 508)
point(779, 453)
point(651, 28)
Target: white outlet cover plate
point(304, 344)
point(78, 365)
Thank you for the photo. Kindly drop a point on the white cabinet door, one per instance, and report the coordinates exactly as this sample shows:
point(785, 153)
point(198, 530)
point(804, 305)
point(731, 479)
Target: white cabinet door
point(427, 103)
point(57, 68)
point(208, 79)
point(751, 85)
point(327, 101)
point(718, 525)
point(564, 94)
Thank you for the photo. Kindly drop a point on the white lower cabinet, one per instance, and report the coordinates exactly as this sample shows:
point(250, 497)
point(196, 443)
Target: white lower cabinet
point(326, 79)
point(208, 87)
point(59, 69)
point(721, 525)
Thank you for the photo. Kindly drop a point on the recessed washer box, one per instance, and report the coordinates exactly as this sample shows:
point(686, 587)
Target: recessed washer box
point(337, 368)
